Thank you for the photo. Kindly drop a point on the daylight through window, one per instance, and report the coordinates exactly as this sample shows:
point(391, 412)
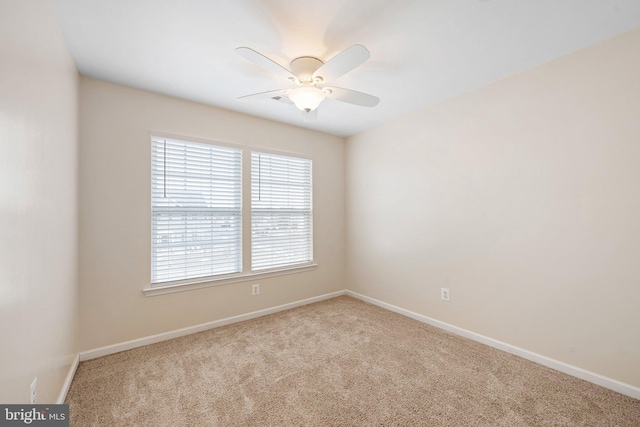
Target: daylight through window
point(281, 211)
point(196, 214)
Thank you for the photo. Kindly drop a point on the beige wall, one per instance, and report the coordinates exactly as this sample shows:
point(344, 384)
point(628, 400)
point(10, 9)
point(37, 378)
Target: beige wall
point(115, 213)
point(523, 198)
point(38, 202)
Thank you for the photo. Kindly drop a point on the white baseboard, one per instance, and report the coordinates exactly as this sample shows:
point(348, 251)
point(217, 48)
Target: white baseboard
point(591, 377)
point(128, 345)
point(68, 380)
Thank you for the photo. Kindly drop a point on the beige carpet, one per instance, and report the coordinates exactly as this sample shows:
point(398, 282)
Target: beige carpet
point(340, 362)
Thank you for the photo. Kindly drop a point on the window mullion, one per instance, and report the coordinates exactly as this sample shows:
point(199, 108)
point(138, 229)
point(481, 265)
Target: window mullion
point(246, 211)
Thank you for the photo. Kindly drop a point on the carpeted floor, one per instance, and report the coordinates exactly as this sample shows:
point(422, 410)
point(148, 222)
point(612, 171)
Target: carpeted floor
point(340, 362)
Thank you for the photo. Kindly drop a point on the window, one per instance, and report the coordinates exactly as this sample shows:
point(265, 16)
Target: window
point(195, 209)
point(197, 216)
point(281, 211)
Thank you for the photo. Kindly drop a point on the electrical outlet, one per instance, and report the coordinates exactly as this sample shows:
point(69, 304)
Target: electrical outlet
point(32, 396)
point(444, 294)
point(255, 289)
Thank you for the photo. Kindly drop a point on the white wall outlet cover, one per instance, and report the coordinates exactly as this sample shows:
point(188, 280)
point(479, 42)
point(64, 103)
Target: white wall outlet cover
point(33, 389)
point(444, 294)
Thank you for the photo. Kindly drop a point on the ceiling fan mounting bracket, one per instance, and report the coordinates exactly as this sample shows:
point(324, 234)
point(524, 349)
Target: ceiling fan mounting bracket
point(304, 67)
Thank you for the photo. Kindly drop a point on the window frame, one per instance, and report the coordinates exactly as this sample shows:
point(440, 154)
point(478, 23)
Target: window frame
point(213, 143)
point(256, 150)
point(246, 275)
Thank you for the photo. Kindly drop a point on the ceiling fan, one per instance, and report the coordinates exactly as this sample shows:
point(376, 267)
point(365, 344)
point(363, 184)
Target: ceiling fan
point(309, 74)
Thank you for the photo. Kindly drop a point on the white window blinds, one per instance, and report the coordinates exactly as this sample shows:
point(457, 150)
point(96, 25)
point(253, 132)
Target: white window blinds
point(281, 211)
point(195, 210)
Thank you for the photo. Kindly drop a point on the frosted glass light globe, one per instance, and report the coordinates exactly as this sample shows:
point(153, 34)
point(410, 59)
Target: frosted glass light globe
point(307, 98)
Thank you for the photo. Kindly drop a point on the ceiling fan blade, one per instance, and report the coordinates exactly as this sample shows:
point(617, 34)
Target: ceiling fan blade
point(309, 116)
point(342, 63)
point(352, 97)
point(279, 93)
point(263, 61)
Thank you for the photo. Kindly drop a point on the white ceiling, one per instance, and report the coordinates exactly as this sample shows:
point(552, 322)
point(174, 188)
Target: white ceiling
point(422, 51)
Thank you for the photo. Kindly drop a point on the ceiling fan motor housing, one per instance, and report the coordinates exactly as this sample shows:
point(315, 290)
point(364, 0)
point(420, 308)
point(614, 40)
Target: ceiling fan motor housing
point(304, 67)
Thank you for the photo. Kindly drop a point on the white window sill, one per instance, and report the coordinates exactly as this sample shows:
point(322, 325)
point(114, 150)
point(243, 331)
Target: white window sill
point(207, 282)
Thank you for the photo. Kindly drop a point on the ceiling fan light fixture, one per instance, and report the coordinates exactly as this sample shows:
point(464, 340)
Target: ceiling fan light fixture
point(307, 98)
point(308, 72)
